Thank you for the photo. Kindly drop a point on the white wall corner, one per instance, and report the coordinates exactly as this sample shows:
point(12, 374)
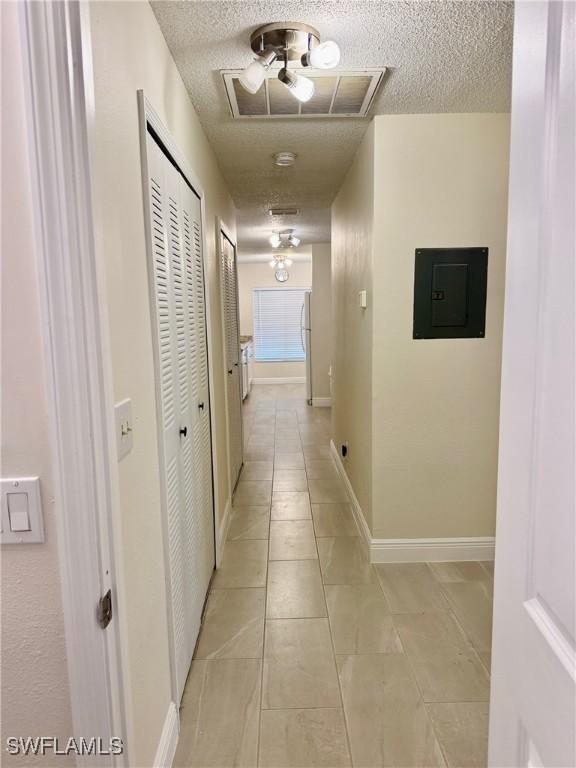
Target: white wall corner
point(280, 380)
point(223, 531)
point(431, 550)
point(359, 518)
point(168, 738)
point(322, 402)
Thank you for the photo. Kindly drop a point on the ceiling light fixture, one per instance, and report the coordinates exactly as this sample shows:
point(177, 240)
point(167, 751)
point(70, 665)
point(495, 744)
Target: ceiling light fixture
point(300, 87)
point(280, 261)
point(284, 239)
point(275, 240)
point(323, 56)
point(284, 159)
point(288, 41)
point(253, 76)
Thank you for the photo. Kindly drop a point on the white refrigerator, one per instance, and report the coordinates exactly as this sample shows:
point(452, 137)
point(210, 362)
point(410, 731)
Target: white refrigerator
point(306, 332)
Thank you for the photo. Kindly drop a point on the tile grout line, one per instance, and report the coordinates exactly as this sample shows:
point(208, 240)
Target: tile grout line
point(344, 718)
point(259, 733)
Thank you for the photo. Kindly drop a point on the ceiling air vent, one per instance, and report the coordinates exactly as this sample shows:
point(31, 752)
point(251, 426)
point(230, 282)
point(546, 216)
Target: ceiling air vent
point(342, 94)
point(283, 211)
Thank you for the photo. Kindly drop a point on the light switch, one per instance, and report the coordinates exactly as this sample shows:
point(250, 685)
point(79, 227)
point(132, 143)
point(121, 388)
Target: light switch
point(18, 512)
point(21, 511)
point(123, 420)
point(363, 296)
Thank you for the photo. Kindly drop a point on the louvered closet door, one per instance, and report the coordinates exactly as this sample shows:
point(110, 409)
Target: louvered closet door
point(233, 365)
point(182, 367)
point(201, 522)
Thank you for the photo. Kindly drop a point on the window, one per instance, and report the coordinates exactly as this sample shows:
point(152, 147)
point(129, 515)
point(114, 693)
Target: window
point(278, 322)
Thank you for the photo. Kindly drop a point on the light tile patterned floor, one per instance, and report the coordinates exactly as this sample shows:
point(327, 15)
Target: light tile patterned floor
point(310, 656)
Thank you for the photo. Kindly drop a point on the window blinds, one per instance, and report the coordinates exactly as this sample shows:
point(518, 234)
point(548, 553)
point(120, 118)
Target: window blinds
point(278, 324)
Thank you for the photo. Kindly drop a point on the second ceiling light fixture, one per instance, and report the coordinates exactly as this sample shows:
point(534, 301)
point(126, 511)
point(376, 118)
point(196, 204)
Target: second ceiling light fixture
point(284, 239)
point(288, 41)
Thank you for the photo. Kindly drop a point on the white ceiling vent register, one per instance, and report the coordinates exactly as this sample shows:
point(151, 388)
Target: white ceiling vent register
point(343, 94)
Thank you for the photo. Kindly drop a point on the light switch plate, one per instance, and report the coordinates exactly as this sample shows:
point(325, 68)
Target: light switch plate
point(123, 420)
point(21, 511)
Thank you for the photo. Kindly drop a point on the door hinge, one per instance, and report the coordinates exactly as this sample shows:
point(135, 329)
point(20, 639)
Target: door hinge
point(104, 613)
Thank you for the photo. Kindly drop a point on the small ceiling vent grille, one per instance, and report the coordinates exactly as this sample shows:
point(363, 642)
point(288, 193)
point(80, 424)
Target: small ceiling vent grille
point(343, 94)
point(283, 211)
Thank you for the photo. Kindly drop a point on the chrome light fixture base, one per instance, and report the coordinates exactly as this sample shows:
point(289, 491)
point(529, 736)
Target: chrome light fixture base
point(291, 39)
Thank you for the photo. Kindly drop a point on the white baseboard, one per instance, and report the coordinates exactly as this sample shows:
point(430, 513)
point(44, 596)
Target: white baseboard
point(359, 518)
point(413, 550)
point(168, 739)
point(431, 550)
point(322, 402)
point(223, 532)
point(281, 380)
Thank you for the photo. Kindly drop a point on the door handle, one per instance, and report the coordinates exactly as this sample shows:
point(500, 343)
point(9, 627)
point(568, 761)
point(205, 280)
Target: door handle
point(201, 406)
point(230, 371)
point(183, 431)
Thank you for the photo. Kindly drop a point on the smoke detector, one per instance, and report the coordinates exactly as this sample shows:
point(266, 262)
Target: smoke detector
point(284, 159)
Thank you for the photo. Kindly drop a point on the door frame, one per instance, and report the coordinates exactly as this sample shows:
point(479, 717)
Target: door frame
point(58, 76)
point(147, 115)
point(223, 231)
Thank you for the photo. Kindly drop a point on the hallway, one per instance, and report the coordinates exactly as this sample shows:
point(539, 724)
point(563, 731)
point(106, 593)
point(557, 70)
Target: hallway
point(308, 655)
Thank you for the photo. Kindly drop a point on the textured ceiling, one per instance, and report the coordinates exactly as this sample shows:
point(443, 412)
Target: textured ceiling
point(442, 57)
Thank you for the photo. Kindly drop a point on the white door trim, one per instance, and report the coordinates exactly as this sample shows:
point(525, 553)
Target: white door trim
point(59, 78)
point(164, 757)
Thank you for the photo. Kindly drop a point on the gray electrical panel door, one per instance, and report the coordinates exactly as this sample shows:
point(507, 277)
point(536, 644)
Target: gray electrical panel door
point(450, 293)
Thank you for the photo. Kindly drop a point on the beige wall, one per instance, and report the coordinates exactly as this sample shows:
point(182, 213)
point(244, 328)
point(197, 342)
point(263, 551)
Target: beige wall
point(420, 417)
point(130, 53)
point(321, 319)
point(352, 223)
point(440, 180)
point(35, 692)
point(260, 275)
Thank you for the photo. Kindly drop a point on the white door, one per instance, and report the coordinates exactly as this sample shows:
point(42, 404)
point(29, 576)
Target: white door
point(182, 378)
point(233, 360)
point(533, 715)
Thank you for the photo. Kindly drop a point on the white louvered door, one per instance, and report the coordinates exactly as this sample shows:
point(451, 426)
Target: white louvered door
point(182, 378)
point(229, 284)
point(202, 521)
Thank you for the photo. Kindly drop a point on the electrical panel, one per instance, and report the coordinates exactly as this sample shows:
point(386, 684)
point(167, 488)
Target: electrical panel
point(450, 293)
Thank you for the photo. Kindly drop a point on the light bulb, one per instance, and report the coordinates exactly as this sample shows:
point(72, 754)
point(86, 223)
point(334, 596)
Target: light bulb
point(288, 262)
point(253, 76)
point(275, 240)
point(324, 56)
point(272, 263)
point(280, 264)
point(294, 241)
point(300, 87)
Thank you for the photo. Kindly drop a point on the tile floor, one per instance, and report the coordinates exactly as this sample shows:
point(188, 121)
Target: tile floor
point(310, 656)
